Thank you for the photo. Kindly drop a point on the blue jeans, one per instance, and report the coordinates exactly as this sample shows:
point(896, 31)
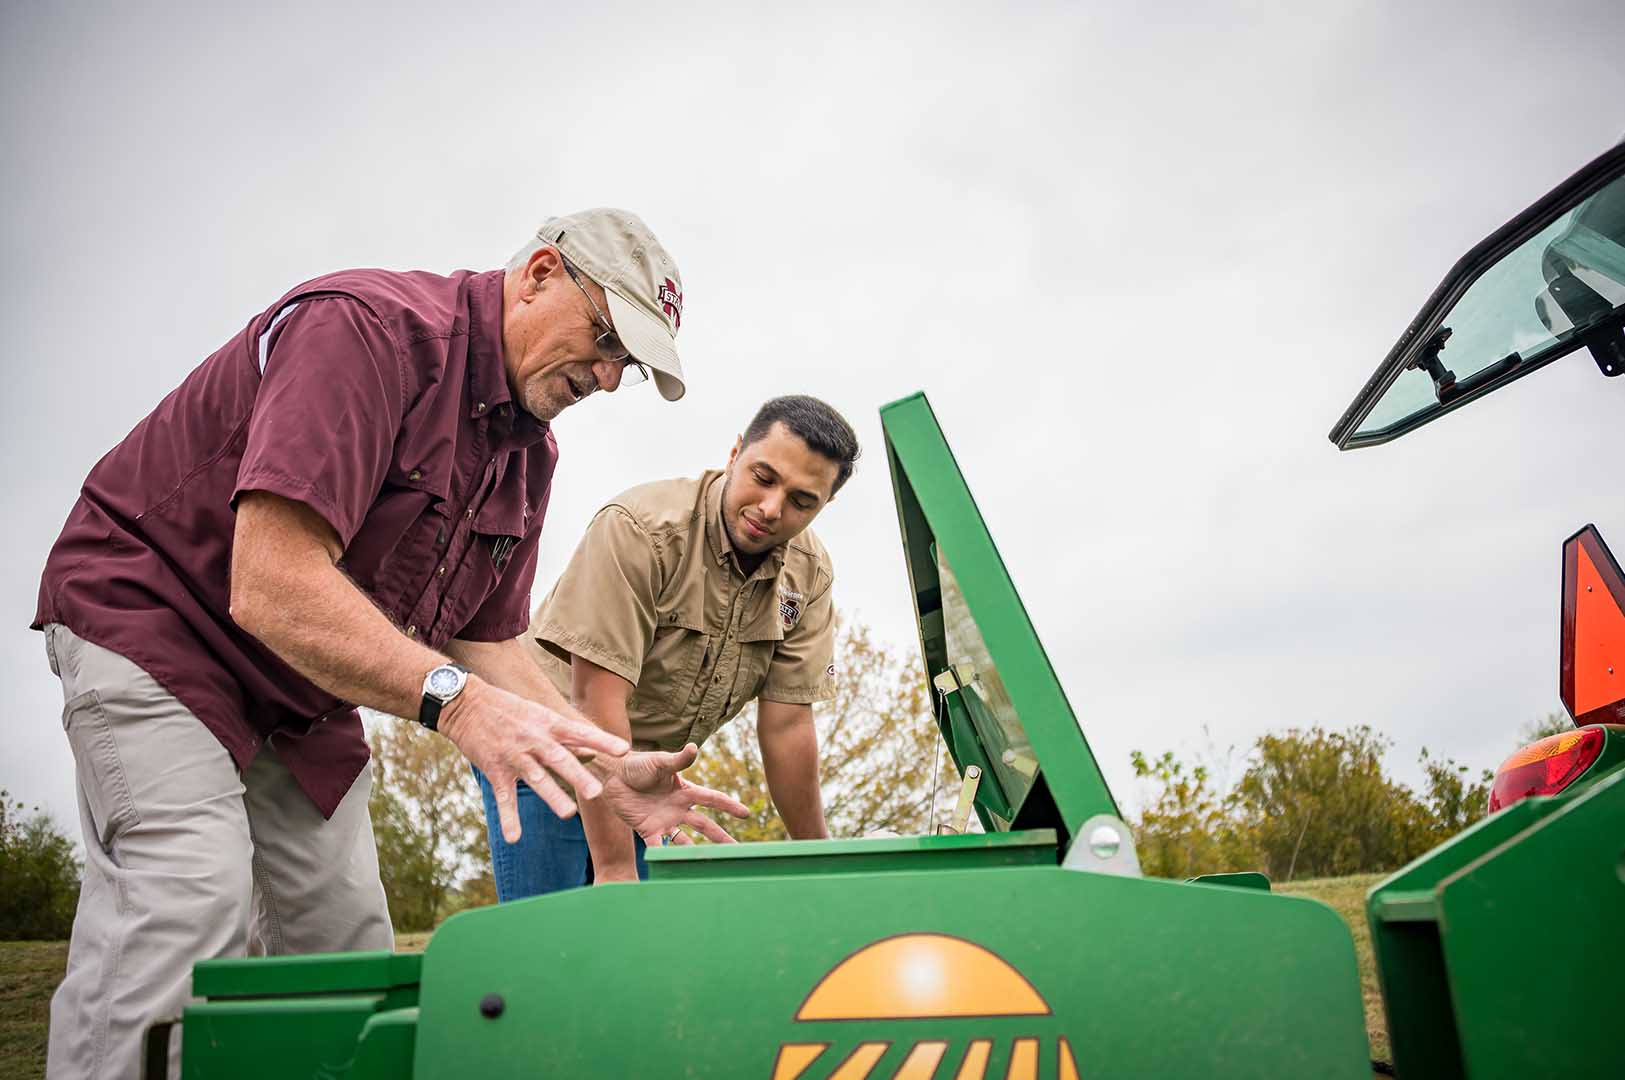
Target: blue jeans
point(551, 853)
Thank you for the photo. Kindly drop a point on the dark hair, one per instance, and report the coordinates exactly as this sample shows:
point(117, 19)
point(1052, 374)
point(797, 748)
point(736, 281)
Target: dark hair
point(816, 424)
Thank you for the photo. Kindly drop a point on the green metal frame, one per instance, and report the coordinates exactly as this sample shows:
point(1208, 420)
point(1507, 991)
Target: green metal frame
point(1496, 948)
point(936, 513)
point(304, 1016)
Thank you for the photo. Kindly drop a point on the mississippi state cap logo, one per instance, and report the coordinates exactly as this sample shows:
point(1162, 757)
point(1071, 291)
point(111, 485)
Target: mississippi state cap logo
point(955, 985)
point(671, 302)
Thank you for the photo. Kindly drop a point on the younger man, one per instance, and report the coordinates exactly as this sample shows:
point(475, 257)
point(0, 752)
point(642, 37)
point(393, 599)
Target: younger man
point(685, 600)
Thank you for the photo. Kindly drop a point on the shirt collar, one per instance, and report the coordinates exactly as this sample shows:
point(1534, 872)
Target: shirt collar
point(489, 395)
point(722, 549)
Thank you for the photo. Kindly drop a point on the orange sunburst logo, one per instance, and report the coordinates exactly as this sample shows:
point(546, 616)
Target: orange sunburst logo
point(924, 977)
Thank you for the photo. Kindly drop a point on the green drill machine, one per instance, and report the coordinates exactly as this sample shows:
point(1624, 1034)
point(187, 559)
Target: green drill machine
point(1035, 947)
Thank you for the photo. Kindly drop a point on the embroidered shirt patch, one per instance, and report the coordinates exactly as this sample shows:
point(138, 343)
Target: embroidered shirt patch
point(789, 607)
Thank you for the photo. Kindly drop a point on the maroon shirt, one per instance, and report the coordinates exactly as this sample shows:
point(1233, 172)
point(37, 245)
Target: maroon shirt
point(384, 406)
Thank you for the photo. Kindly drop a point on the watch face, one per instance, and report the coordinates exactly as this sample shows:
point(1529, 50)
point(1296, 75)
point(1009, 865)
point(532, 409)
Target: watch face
point(444, 681)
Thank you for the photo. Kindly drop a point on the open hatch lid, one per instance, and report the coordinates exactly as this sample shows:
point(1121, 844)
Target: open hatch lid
point(998, 702)
point(1543, 285)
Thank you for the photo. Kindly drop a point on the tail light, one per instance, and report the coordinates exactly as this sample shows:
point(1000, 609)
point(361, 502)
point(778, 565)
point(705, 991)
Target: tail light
point(1546, 767)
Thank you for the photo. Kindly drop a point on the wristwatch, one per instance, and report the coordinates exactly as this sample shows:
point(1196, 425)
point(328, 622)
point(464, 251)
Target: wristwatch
point(440, 686)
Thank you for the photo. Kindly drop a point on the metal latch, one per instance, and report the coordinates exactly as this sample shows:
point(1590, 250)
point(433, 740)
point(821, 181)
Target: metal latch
point(967, 802)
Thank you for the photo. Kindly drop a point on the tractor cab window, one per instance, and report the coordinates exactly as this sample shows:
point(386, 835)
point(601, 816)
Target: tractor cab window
point(1565, 280)
point(1547, 283)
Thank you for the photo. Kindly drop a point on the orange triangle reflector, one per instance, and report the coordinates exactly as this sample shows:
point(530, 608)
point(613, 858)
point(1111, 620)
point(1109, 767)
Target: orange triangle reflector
point(1593, 664)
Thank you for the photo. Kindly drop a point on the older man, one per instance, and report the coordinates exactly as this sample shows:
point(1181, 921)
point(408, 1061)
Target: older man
point(340, 507)
point(686, 600)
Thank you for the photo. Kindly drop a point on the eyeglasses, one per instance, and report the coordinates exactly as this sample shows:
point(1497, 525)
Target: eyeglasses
point(608, 341)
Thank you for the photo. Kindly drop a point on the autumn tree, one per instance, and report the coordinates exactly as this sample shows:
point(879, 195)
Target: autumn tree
point(1321, 805)
point(1552, 723)
point(1452, 799)
point(39, 874)
point(1311, 803)
point(429, 823)
point(880, 755)
point(1189, 827)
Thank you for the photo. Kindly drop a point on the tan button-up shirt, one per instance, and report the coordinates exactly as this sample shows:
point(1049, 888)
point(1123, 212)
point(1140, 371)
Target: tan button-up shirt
point(655, 594)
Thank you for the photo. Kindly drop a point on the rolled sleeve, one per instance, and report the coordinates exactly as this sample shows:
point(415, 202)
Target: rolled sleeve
point(603, 607)
point(803, 668)
point(326, 413)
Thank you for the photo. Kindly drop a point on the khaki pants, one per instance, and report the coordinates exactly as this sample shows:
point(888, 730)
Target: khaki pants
point(185, 859)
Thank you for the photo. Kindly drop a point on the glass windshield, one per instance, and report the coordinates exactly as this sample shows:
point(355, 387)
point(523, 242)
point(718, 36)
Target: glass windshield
point(1568, 277)
point(1003, 738)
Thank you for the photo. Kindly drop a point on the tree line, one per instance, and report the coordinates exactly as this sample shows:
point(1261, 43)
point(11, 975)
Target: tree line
point(1310, 803)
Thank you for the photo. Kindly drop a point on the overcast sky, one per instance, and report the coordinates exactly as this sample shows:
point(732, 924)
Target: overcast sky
point(1140, 257)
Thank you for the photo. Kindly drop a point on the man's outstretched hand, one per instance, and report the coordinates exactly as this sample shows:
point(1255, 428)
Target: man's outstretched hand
point(512, 739)
point(644, 790)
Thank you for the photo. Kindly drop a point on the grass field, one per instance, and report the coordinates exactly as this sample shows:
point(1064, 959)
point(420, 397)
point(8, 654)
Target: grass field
point(30, 970)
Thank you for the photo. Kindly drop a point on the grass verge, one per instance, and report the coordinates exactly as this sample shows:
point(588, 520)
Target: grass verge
point(29, 971)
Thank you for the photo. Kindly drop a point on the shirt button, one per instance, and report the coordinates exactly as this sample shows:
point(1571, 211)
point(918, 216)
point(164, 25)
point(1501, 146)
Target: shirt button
point(414, 475)
point(411, 631)
point(441, 571)
point(469, 512)
point(480, 407)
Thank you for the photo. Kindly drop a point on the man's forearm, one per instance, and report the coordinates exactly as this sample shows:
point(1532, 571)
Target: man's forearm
point(789, 745)
point(601, 696)
point(294, 599)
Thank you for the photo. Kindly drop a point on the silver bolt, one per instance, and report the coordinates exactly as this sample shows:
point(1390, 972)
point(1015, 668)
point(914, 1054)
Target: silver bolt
point(1105, 842)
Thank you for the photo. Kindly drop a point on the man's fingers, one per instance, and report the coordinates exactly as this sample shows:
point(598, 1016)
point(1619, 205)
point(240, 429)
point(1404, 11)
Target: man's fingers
point(507, 811)
point(565, 765)
point(542, 784)
point(581, 736)
point(716, 800)
point(708, 828)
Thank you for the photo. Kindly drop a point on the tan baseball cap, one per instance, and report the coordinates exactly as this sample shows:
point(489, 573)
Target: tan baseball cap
point(645, 292)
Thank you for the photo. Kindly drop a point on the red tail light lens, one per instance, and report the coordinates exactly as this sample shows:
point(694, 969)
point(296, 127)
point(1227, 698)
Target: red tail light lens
point(1545, 767)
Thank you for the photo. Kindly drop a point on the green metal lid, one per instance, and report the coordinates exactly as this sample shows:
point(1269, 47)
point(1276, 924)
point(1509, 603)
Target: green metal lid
point(333, 973)
point(999, 704)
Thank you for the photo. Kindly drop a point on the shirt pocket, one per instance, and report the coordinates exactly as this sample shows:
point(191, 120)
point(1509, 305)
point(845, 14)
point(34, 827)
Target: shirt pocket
point(99, 769)
point(404, 533)
point(757, 640)
point(495, 529)
point(498, 528)
point(676, 661)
